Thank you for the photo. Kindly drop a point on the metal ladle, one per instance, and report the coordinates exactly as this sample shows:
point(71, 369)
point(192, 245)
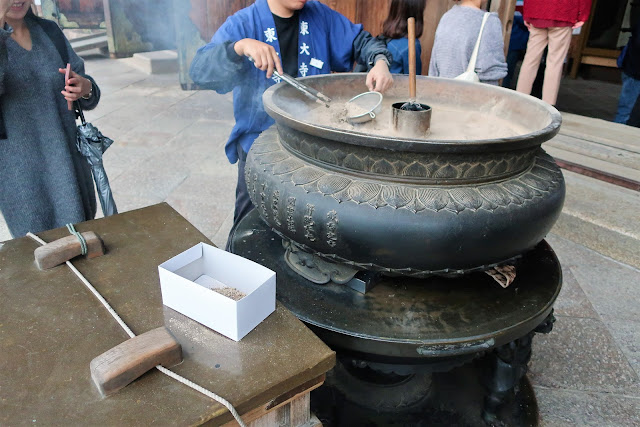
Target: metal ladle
point(411, 118)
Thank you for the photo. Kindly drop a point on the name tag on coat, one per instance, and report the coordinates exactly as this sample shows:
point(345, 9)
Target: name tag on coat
point(315, 62)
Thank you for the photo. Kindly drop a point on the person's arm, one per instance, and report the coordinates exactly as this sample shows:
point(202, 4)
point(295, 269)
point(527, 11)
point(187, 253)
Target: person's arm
point(215, 65)
point(584, 10)
point(81, 87)
point(221, 64)
point(374, 52)
point(5, 5)
point(370, 50)
point(351, 43)
point(491, 65)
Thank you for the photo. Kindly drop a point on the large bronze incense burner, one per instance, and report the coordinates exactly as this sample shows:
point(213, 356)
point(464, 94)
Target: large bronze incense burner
point(477, 191)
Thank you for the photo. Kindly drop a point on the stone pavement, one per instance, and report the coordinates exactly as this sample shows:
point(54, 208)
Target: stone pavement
point(169, 147)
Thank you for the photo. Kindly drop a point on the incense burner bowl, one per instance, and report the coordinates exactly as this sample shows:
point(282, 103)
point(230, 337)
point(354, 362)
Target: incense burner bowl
point(476, 192)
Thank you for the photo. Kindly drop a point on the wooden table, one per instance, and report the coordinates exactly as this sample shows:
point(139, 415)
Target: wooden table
point(51, 327)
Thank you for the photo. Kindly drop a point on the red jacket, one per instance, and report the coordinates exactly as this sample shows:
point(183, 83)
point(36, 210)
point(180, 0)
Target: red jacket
point(557, 10)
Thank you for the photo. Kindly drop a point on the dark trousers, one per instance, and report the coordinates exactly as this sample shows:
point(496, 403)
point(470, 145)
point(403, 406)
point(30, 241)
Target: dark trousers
point(634, 118)
point(243, 202)
point(513, 57)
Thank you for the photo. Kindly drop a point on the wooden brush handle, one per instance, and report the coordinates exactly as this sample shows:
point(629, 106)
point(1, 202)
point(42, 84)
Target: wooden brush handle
point(411, 35)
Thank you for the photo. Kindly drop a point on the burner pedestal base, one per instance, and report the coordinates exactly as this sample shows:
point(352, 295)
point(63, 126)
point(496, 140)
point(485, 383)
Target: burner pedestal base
point(435, 346)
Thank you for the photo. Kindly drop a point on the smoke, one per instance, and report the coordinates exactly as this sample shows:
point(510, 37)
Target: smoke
point(149, 21)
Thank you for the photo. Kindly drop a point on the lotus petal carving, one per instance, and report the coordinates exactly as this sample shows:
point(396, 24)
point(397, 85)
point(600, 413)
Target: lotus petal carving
point(308, 148)
point(495, 194)
point(266, 147)
point(466, 197)
point(416, 169)
point(273, 157)
point(354, 162)
point(544, 173)
point(326, 155)
point(362, 192)
point(383, 167)
point(433, 198)
point(331, 184)
point(520, 190)
point(500, 168)
point(476, 171)
point(306, 175)
point(398, 196)
point(287, 166)
point(535, 182)
point(447, 171)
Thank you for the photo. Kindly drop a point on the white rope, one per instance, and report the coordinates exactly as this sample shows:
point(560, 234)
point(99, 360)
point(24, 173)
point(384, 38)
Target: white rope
point(129, 332)
point(204, 391)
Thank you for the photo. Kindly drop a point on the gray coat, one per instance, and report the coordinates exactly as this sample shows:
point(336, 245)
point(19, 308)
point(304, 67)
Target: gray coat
point(44, 181)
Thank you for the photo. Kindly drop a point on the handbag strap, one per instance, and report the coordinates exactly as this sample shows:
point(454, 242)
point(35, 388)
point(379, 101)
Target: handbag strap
point(474, 56)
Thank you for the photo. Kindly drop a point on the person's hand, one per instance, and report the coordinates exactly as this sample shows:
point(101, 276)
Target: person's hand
point(379, 78)
point(528, 25)
point(5, 5)
point(76, 87)
point(264, 55)
point(578, 24)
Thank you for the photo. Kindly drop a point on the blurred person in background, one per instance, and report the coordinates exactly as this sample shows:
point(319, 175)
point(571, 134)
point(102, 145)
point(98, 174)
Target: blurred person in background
point(630, 76)
point(394, 35)
point(634, 118)
point(517, 47)
point(394, 31)
point(550, 24)
point(456, 37)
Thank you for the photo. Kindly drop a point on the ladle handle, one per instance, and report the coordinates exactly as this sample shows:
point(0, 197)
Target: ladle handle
point(411, 35)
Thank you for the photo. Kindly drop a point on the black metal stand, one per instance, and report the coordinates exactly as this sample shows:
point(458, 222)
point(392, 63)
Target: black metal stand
point(505, 367)
point(432, 349)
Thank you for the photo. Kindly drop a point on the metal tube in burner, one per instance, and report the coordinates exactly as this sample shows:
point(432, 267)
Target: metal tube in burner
point(411, 123)
point(411, 118)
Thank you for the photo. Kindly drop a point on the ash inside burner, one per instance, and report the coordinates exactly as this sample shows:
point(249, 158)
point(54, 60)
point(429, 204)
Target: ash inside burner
point(447, 121)
point(353, 110)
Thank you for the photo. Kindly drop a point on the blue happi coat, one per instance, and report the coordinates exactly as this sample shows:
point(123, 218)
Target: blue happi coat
point(325, 44)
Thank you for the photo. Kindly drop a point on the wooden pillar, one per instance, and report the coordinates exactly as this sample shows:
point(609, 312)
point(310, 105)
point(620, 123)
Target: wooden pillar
point(345, 7)
point(432, 15)
point(582, 42)
point(505, 10)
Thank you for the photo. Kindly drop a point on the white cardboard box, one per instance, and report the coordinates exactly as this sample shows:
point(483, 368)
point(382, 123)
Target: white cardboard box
point(186, 281)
